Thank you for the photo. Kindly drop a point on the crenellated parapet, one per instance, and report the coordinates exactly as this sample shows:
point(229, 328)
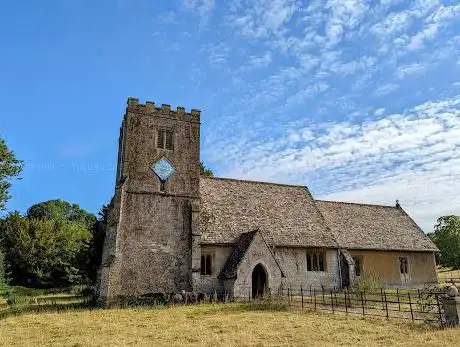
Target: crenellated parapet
point(149, 108)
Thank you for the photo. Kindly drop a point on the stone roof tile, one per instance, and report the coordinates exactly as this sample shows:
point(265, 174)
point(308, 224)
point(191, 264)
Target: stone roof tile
point(285, 214)
point(363, 226)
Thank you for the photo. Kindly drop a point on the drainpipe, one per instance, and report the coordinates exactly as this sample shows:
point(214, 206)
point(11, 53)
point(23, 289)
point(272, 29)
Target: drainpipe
point(340, 267)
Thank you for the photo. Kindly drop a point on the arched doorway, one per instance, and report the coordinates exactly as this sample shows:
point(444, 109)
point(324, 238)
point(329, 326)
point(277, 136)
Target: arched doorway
point(259, 281)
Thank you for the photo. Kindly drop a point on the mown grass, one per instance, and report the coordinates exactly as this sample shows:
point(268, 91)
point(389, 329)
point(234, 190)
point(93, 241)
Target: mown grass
point(230, 324)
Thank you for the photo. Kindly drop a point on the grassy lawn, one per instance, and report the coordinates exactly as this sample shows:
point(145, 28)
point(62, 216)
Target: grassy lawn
point(229, 324)
point(24, 297)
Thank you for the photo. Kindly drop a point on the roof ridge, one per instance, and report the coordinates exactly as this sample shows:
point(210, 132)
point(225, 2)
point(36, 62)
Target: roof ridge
point(355, 203)
point(256, 182)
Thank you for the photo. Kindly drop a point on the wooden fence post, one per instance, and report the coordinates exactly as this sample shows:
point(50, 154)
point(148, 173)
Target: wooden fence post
point(399, 303)
point(362, 302)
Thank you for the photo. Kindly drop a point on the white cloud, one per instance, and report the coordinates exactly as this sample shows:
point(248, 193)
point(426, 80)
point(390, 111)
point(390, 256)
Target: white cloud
point(345, 14)
point(203, 8)
point(218, 54)
point(261, 18)
point(410, 69)
point(433, 25)
point(386, 89)
point(306, 93)
point(257, 62)
point(379, 111)
point(412, 156)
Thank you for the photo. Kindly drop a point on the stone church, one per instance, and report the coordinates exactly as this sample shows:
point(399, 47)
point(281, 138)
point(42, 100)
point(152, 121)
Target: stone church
point(170, 230)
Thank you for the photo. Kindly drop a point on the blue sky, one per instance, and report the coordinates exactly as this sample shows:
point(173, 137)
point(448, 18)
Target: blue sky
point(358, 100)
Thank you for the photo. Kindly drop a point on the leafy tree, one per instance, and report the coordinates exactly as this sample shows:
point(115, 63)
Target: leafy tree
point(60, 210)
point(96, 245)
point(10, 167)
point(204, 171)
point(49, 246)
point(2, 268)
point(446, 236)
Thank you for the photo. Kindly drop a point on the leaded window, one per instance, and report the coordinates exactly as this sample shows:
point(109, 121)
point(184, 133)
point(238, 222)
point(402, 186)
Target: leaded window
point(316, 261)
point(403, 265)
point(206, 264)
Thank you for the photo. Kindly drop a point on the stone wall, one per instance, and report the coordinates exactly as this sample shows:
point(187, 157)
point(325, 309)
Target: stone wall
point(385, 265)
point(293, 261)
point(210, 283)
point(153, 234)
point(257, 253)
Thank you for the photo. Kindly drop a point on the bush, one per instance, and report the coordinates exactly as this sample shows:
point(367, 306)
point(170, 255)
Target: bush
point(367, 283)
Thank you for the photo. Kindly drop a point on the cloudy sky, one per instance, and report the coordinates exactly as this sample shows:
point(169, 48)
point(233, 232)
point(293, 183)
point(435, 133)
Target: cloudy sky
point(358, 100)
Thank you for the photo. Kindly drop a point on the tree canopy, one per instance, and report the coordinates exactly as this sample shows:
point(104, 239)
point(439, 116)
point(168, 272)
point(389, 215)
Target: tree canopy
point(10, 167)
point(446, 236)
point(55, 244)
point(204, 171)
point(60, 210)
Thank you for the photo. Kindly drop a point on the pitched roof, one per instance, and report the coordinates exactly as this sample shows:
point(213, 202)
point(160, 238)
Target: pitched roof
point(285, 214)
point(373, 227)
point(231, 266)
point(233, 261)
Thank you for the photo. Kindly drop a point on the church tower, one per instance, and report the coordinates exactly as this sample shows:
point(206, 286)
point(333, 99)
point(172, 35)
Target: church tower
point(152, 237)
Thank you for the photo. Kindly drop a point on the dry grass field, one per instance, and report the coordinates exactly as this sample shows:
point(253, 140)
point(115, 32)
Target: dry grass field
point(229, 324)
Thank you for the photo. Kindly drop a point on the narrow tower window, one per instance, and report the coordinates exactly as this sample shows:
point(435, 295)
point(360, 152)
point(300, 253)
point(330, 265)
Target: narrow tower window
point(162, 186)
point(165, 139)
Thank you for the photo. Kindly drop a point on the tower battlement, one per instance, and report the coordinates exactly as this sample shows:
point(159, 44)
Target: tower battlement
point(165, 111)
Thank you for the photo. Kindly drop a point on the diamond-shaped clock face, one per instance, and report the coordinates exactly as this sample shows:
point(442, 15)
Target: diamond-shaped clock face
point(163, 169)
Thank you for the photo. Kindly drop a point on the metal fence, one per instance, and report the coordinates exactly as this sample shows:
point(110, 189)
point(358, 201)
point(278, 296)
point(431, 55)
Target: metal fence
point(415, 305)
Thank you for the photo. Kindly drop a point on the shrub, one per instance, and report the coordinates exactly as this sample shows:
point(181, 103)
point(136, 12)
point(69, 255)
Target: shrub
point(367, 283)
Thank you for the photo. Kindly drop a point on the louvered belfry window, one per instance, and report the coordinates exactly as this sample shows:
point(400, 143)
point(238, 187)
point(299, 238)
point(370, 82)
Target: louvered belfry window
point(165, 139)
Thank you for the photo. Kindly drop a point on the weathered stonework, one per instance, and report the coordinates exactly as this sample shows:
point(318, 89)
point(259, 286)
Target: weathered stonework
point(152, 243)
point(157, 231)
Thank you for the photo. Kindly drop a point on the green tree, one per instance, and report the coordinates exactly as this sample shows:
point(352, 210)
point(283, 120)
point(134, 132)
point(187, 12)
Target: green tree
point(204, 171)
point(2, 268)
point(60, 210)
point(96, 245)
point(49, 246)
point(446, 236)
point(10, 167)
